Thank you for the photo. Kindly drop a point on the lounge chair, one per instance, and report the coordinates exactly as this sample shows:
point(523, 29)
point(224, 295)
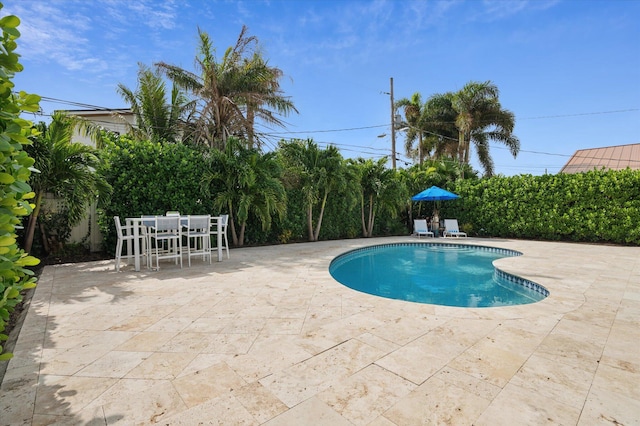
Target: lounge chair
point(451, 229)
point(420, 228)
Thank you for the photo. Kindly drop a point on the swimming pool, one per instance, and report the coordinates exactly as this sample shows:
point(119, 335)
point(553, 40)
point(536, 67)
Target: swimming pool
point(435, 273)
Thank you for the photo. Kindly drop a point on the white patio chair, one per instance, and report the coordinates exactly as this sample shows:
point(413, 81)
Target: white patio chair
point(165, 239)
point(451, 229)
point(222, 223)
point(197, 233)
point(420, 228)
point(125, 233)
point(225, 239)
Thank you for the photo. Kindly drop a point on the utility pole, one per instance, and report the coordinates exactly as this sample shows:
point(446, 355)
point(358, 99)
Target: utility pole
point(393, 128)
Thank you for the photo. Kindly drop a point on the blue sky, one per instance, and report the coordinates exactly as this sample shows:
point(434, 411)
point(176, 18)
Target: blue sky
point(568, 69)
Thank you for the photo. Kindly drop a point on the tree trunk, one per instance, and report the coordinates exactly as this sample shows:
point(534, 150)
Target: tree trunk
point(232, 225)
point(31, 225)
point(467, 149)
point(45, 240)
point(373, 220)
point(370, 222)
point(316, 234)
point(241, 238)
point(310, 222)
point(362, 220)
point(250, 120)
point(461, 144)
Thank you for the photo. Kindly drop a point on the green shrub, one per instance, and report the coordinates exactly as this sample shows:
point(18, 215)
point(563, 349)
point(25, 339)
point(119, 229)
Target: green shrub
point(151, 178)
point(597, 206)
point(14, 173)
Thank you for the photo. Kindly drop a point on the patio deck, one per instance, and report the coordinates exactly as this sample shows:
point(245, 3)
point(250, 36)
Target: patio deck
point(268, 337)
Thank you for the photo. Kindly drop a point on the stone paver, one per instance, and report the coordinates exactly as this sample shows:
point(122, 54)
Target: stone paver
point(268, 337)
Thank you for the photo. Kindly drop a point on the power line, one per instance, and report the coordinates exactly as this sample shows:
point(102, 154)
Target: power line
point(273, 145)
point(330, 130)
point(580, 114)
point(79, 104)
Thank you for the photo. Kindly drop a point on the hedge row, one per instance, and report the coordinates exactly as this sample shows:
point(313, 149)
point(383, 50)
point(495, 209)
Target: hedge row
point(598, 206)
point(152, 178)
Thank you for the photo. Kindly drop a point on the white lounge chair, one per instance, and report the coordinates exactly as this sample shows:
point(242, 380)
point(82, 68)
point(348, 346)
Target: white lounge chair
point(451, 229)
point(420, 228)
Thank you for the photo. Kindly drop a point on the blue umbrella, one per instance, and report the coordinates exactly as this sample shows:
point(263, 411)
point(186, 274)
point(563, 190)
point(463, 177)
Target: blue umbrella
point(434, 194)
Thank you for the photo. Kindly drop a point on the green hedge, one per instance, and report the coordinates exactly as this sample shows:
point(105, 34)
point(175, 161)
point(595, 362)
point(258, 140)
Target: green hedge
point(150, 178)
point(598, 206)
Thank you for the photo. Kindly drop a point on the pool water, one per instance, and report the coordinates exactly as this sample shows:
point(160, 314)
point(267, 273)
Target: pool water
point(440, 274)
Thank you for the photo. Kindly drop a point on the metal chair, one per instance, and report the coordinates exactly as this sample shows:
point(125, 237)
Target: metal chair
point(225, 241)
point(198, 232)
point(165, 239)
point(222, 223)
point(125, 233)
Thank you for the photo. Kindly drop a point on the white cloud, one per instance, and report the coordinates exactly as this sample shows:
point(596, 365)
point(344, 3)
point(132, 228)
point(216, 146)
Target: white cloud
point(48, 33)
point(149, 13)
point(59, 31)
point(499, 9)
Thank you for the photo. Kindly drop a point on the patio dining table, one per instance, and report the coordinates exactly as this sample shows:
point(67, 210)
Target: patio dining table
point(134, 247)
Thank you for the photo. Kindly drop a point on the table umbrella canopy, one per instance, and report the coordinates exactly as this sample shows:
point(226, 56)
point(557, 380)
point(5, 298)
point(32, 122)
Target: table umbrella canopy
point(434, 194)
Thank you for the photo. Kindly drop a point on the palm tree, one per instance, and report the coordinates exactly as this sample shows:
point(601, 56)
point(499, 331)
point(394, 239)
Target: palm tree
point(231, 93)
point(432, 124)
point(479, 119)
point(438, 123)
point(156, 120)
point(412, 113)
point(66, 169)
point(317, 173)
point(247, 181)
point(380, 190)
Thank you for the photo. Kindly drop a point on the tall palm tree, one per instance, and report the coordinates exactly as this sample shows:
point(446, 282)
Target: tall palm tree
point(412, 113)
point(231, 93)
point(317, 172)
point(66, 169)
point(156, 120)
point(432, 124)
point(438, 122)
point(481, 118)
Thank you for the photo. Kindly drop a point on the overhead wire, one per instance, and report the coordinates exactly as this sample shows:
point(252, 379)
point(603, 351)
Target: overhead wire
point(358, 148)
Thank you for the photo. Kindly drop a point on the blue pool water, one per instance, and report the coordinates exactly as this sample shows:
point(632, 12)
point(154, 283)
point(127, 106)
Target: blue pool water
point(435, 273)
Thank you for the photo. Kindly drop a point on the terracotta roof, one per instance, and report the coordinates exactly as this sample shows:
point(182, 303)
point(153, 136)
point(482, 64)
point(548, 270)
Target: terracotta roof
point(610, 157)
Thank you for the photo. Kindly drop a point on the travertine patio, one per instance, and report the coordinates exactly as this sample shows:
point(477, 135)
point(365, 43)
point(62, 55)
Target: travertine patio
point(268, 337)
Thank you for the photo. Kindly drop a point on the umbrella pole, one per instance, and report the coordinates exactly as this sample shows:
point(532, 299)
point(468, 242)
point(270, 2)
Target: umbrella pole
point(435, 219)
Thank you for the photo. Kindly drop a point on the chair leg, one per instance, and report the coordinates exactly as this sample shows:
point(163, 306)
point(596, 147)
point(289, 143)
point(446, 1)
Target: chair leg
point(118, 254)
point(226, 243)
